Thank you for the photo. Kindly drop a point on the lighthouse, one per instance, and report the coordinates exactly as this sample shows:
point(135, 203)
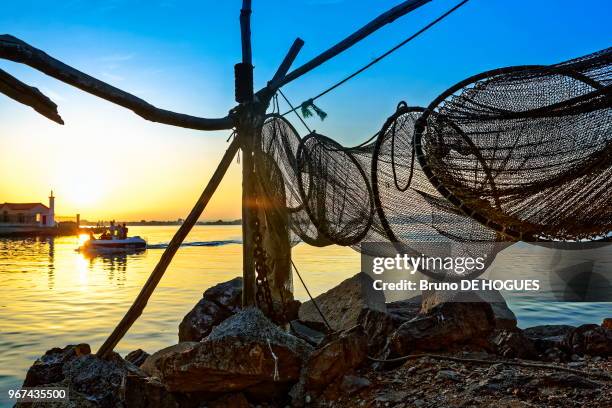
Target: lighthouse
point(51, 213)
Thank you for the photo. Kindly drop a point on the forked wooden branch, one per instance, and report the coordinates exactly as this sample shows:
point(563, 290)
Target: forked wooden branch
point(379, 22)
point(30, 96)
point(143, 297)
point(288, 60)
point(14, 49)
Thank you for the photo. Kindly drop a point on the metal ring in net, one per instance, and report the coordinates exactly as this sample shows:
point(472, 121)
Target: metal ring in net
point(335, 190)
point(526, 151)
point(278, 144)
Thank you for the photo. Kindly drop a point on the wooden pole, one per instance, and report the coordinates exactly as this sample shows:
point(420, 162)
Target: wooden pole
point(147, 290)
point(283, 68)
point(246, 133)
point(380, 21)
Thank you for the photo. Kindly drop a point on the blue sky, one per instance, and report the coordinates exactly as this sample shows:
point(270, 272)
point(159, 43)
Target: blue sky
point(179, 55)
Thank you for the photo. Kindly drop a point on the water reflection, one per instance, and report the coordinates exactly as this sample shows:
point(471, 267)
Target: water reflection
point(51, 263)
point(115, 264)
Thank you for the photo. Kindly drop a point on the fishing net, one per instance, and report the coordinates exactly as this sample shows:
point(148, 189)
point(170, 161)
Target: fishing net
point(526, 150)
point(515, 153)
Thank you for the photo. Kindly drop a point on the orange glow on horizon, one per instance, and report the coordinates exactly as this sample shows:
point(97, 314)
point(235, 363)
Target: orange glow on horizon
point(107, 163)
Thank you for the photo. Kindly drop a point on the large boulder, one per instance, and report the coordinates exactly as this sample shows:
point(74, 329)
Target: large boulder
point(93, 382)
point(137, 357)
point(146, 392)
point(589, 339)
point(244, 351)
point(217, 304)
point(378, 326)
point(403, 310)
point(343, 304)
point(504, 318)
point(101, 381)
point(444, 327)
point(547, 337)
point(330, 363)
point(48, 368)
point(512, 344)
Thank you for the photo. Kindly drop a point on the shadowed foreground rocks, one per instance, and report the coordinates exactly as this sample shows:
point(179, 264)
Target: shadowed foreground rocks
point(244, 360)
point(244, 351)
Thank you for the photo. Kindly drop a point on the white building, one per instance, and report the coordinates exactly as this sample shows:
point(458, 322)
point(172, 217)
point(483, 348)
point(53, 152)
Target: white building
point(28, 214)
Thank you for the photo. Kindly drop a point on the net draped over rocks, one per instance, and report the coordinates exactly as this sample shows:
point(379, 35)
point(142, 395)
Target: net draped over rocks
point(518, 153)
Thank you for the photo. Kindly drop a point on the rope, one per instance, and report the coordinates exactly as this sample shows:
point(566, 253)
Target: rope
point(381, 57)
point(603, 375)
point(310, 296)
point(294, 110)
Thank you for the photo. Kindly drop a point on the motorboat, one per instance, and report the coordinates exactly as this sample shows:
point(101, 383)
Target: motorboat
point(112, 242)
point(129, 243)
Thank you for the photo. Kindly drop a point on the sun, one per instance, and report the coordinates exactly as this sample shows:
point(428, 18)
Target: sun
point(82, 184)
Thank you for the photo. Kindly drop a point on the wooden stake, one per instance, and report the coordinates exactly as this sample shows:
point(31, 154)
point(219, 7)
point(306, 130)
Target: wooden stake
point(246, 132)
point(147, 290)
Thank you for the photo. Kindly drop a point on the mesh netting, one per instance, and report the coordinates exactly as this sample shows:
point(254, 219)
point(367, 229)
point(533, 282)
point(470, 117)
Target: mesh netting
point(526, 150)
point(516, 153)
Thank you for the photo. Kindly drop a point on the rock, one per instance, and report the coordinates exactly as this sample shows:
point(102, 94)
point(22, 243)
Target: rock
point(151, 365)
point(504, 379)
point(145, 392)
point(330, 363)
point(244, 350)
point(217, 304)
point(504, 317)
point(352, 384)
point(305, 333)
point(230, 401)
point(512, 344)
point(137, 357)
point(343, 304)
point(227, 295)
point(48, 369)
point(566, 380)
point(393, 396)
point(101, 381)
point(378, 326)
point(589, 339)
point(448, 375)
point(607, 323)
point(447, 325)
point(548, 336)
point(403, 310)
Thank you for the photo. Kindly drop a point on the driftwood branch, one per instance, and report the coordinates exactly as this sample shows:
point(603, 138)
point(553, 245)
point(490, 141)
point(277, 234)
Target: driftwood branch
point(143, 297)
point(380, 21)
point(13, 49)
point(30, 96)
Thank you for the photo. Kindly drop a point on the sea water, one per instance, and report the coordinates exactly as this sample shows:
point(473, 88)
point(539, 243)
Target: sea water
point(52, 295)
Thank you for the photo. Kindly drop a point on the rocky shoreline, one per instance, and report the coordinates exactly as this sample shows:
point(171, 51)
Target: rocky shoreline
point(429, 351)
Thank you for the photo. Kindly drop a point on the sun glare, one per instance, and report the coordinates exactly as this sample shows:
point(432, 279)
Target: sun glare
point(83, 238)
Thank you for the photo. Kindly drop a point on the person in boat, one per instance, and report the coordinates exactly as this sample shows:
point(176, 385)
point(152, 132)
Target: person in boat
point(112, 229)
point(91, 234)
point(125, 231)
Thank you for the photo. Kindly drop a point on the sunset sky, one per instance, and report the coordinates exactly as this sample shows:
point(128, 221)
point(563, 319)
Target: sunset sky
point(106, 162)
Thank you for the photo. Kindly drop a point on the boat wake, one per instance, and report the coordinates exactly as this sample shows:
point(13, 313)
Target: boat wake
point(197, 244)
